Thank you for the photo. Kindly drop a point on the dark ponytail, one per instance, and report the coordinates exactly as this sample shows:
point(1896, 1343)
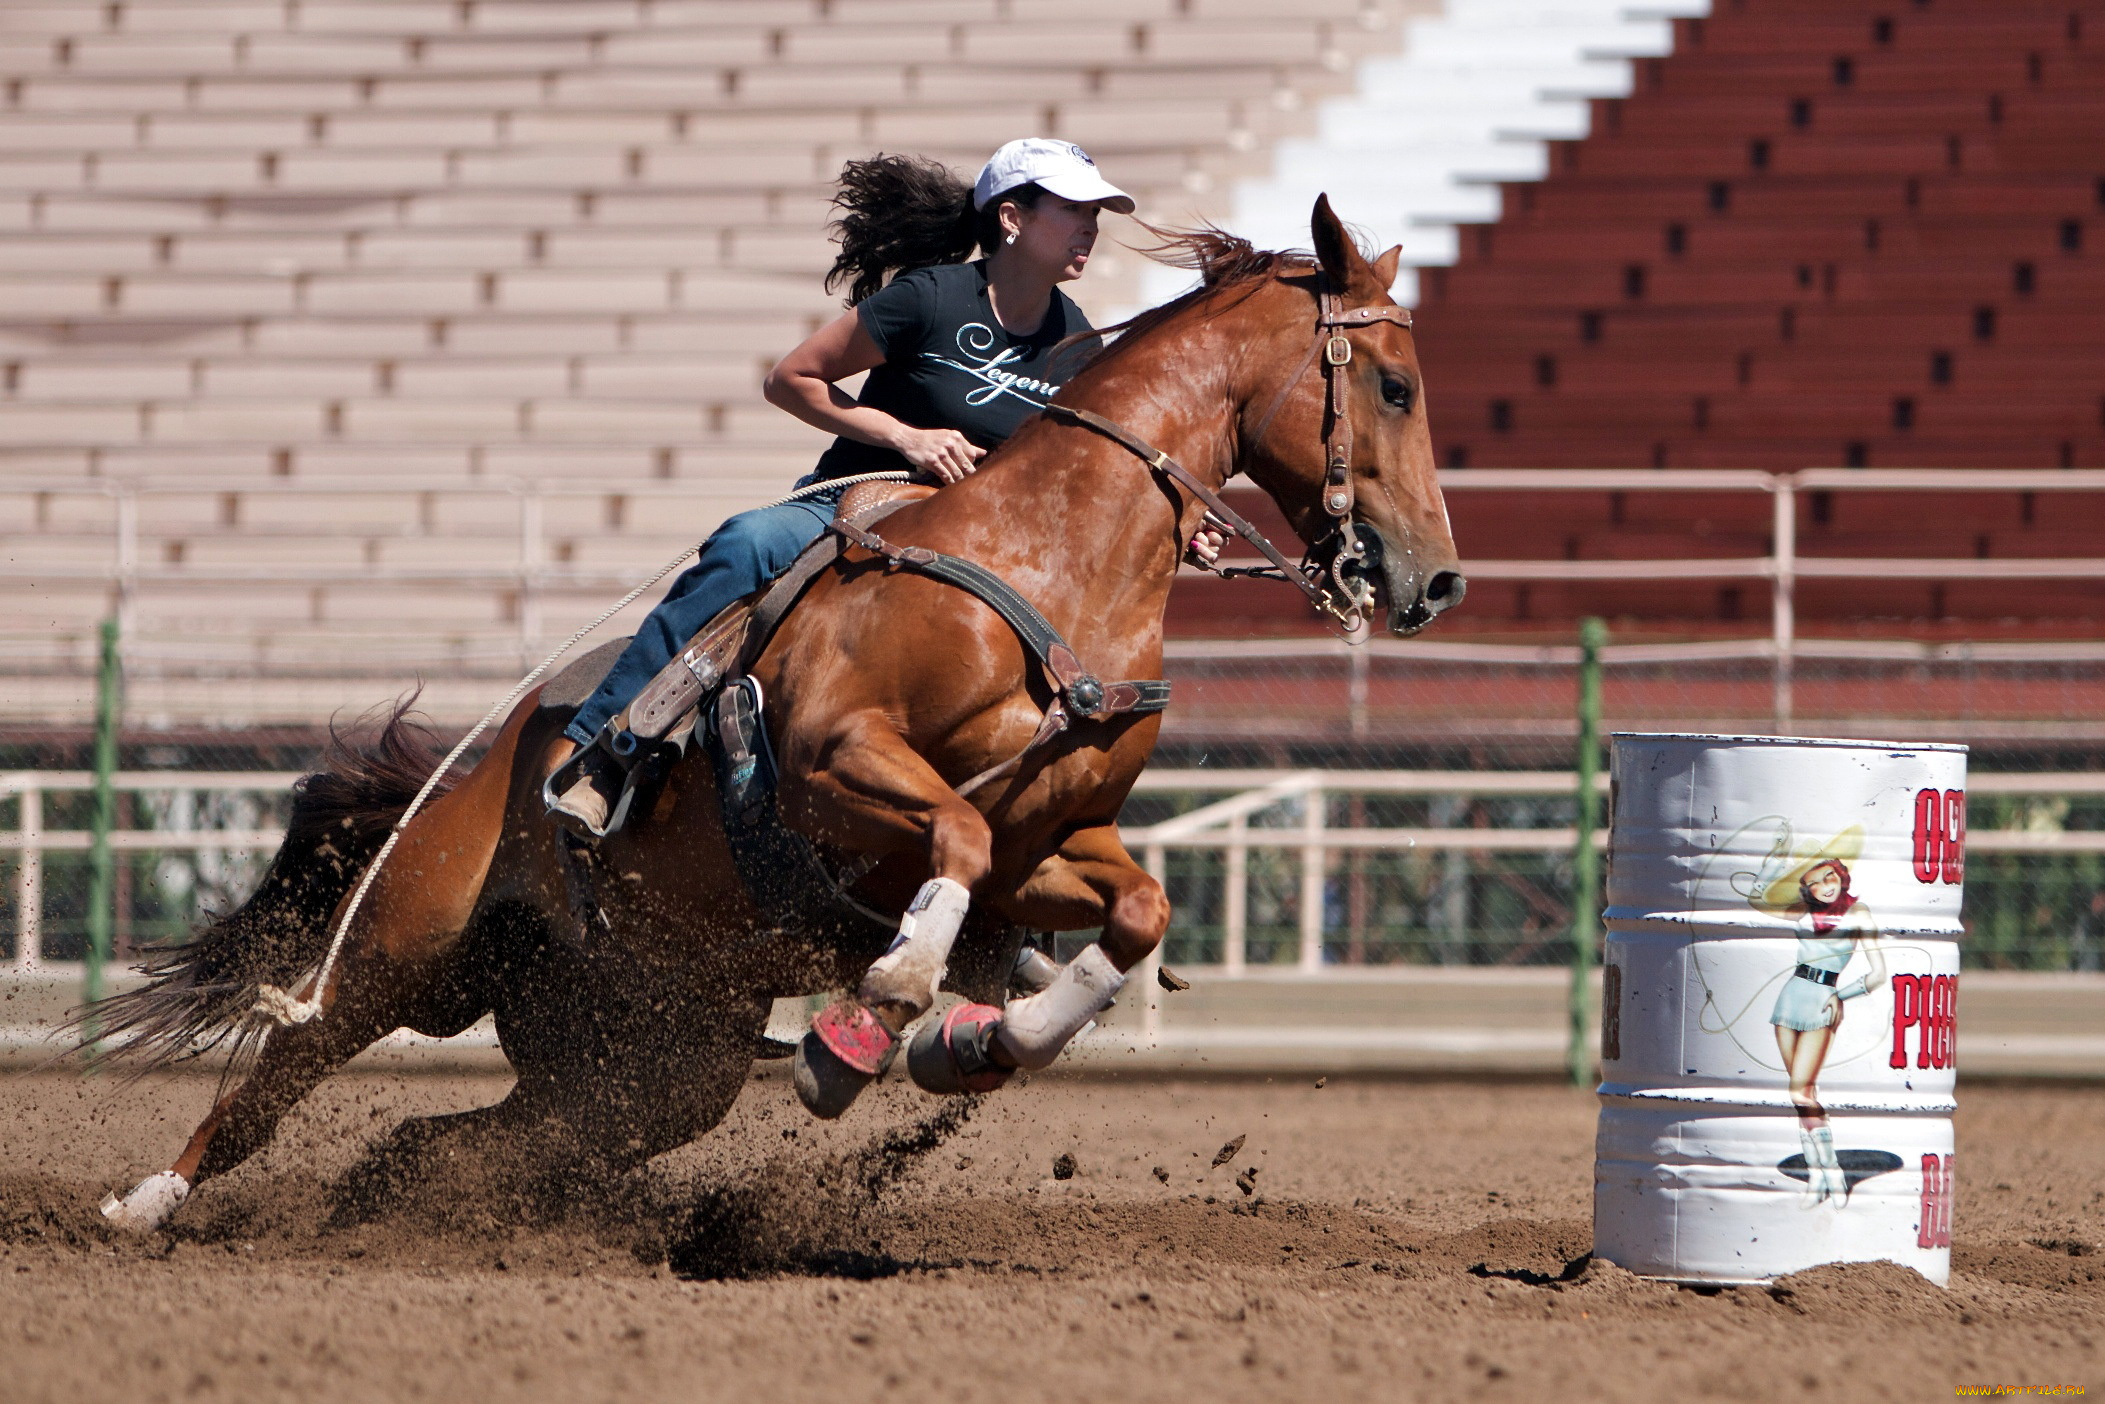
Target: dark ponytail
point(898, 213)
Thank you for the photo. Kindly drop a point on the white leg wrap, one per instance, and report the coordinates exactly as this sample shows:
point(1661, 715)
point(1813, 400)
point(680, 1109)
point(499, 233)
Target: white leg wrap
point(1034, 1030)
point(911, 968)
point(149, 1204)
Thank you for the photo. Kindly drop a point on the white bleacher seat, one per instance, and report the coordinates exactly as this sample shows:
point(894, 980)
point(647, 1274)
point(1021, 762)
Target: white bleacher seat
point(454, 552)
point(232, 421)
point(516, 378)
point(357, 169)
point(690, 50)
point(575, 290)
point(44, 380)
point(414, 421)
point(222, 131)
point(392, 292)
point(274, 376)
point(601, 422)
point(257, 551)
point(325, 513)
point(68, 132)
point(78, 253)
point(386, 606)
point(402, 335)
point(206, 17)
point(323, 54)
point(400, 18)
point(536, 462)
point(69, 424)
point(150, 56)
point(668, 377)
point(440, 248)
point(48, 555)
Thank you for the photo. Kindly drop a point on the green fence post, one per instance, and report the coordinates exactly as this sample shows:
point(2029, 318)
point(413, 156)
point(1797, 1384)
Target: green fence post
point(1585, 863)
point(102, 868)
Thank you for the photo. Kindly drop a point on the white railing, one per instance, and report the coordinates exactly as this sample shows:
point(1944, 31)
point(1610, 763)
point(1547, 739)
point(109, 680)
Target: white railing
point(538, 504)
point(1222, 825)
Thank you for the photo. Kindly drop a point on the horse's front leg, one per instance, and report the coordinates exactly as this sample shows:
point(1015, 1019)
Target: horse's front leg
point(1092, 880)
point(865, 789)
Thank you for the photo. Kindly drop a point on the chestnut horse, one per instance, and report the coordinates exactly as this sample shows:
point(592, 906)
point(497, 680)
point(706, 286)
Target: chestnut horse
point(631, 984)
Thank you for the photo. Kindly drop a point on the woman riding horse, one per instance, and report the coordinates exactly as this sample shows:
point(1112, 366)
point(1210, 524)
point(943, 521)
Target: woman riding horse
point(959, 355)
point(631, 981)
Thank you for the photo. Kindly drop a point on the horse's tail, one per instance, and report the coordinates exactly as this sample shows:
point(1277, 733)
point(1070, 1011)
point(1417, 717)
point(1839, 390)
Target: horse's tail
point(200, 990)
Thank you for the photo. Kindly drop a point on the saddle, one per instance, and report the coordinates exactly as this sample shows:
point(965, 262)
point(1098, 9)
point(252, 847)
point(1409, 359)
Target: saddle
point(743, 628)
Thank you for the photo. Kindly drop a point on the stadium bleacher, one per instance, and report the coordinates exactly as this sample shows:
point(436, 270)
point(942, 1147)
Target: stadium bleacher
point(446, 248)
point(507, 273)
point(1775, 234)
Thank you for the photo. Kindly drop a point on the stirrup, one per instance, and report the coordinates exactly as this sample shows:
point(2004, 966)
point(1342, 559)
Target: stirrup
point(591, 765)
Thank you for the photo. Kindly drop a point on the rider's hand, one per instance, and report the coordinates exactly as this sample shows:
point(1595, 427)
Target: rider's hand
point(942, 453)
point(1205, 548)
point(1831, 1010)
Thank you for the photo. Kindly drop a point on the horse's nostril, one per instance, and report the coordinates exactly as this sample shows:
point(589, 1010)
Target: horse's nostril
point(1445, 589)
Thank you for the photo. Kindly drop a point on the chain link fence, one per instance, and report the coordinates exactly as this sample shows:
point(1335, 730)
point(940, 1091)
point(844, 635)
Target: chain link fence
point(1432, 823)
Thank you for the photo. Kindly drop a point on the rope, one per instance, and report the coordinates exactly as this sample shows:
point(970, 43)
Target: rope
point(276, 1004)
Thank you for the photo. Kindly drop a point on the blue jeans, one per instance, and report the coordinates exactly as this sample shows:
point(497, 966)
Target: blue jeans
point(746, 553)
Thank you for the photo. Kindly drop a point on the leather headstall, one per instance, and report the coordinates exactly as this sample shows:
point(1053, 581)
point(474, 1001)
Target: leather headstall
point(1327, 591)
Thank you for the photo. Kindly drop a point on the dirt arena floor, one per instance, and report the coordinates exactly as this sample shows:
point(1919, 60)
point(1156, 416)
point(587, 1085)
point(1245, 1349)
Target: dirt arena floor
point(1399, 1240)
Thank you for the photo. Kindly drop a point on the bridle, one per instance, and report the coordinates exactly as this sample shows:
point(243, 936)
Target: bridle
point(1334, 582)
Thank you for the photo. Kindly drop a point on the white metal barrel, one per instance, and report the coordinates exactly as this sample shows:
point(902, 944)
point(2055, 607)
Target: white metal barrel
point(1778, 1008)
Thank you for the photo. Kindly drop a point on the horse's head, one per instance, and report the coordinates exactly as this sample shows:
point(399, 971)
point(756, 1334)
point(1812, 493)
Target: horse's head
point(1337, 435)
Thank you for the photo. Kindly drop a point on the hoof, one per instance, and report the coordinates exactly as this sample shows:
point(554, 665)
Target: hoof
point(150, 1203)
point(951, 1054)
point(825, 1085)
point(856, 1036)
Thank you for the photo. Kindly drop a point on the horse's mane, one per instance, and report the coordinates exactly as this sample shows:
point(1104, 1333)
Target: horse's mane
point(1224, 262)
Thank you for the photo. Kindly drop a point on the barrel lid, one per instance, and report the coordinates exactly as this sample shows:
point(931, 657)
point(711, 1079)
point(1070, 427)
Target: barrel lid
point(1729, 740)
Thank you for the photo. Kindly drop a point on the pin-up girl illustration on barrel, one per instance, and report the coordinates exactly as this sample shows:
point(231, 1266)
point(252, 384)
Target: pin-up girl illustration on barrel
point(1834, 927)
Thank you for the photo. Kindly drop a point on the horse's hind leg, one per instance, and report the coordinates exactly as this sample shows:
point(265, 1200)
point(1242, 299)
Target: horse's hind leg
point(293, 1061)
point(864, 788)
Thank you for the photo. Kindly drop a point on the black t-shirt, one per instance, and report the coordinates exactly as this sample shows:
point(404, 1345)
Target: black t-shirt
point(949, 363)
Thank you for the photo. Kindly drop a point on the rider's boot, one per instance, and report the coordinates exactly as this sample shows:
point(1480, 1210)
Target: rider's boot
point(854, 1040)
point(588, 793)
point(975, 1047)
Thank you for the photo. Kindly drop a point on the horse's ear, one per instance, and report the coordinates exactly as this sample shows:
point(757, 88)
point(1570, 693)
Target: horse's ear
point(1385, 267)
point(1334, 249)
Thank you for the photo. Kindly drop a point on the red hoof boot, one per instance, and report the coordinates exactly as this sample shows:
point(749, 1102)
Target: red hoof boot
point(953, 1053)
point(846, 1050)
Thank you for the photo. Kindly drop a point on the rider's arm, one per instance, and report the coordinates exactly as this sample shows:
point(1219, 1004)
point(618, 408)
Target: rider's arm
point(802, 382)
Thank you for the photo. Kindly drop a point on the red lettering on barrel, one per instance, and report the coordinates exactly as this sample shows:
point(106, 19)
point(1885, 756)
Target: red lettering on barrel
point(1954, 857)
point(1948, 1023)
point(1929, 835)
point(1907, 1010)
point(1933, 1228)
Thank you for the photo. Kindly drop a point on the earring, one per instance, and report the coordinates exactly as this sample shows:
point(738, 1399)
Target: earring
point(1010, 240)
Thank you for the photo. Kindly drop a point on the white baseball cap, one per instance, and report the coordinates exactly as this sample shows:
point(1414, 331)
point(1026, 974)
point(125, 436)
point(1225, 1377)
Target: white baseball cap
point(1059, 166)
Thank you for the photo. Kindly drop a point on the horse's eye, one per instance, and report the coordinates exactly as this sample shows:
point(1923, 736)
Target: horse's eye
point(1397, 392)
